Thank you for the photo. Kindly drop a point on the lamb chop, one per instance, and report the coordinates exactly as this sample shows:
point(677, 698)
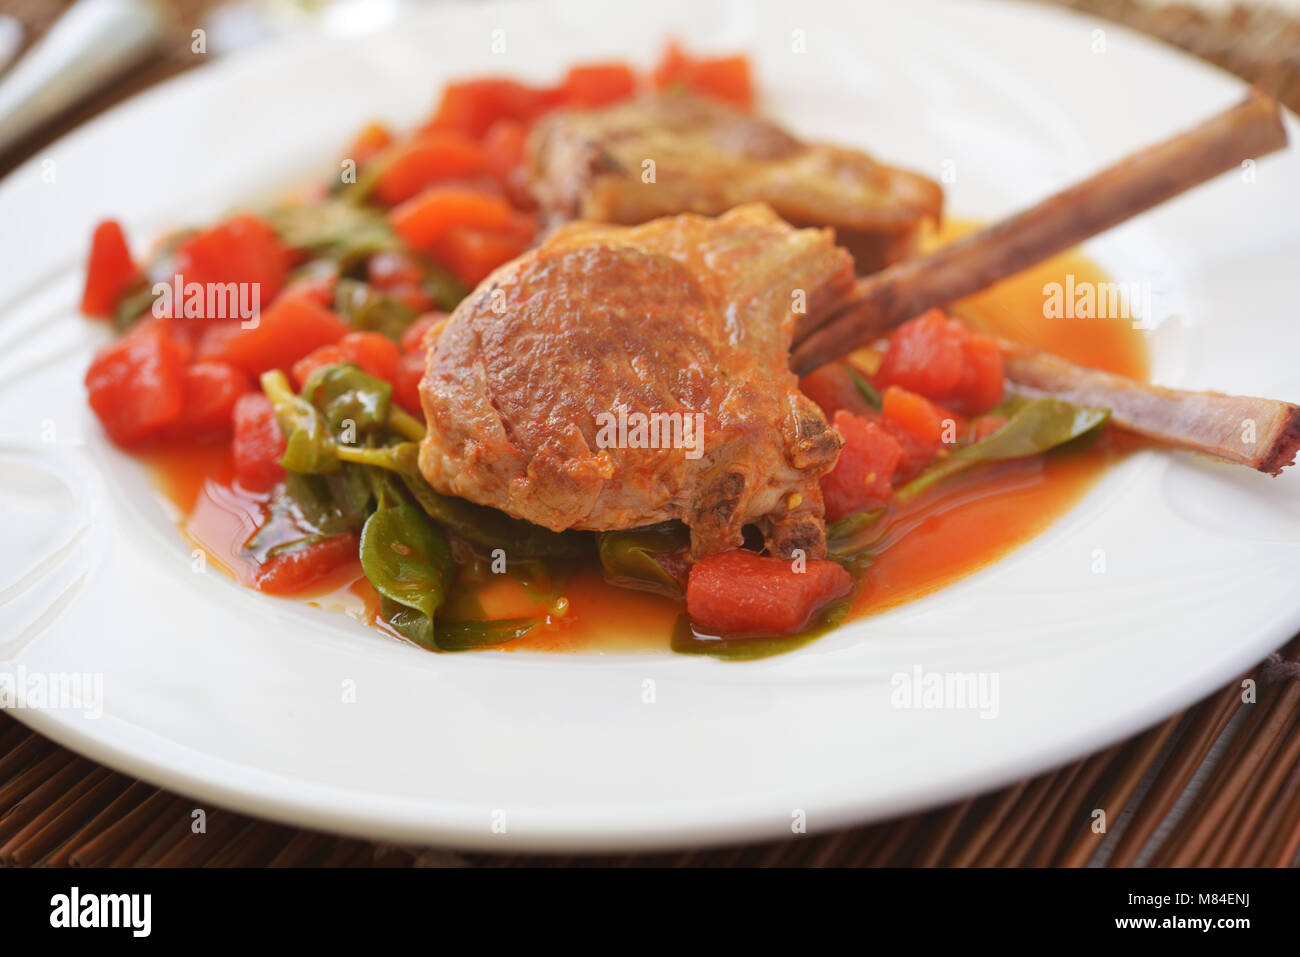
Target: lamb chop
point(690, 315)
point(684, 316)
point(708, 158)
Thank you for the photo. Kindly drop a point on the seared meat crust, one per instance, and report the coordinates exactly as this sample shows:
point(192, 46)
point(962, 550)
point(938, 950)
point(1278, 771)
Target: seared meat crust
point(685, 316)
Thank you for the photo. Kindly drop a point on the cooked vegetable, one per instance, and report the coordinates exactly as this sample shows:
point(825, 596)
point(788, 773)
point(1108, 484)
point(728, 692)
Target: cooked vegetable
point(430, 157)
point(643, 558)
point(287, 330)
point(850, 540)
point(918, 416)
point(477, 524)
point(413, 337)
point(110, 272)
point(349, 398)
point(259, 444)
point(723, 78)
point(740, 593)
point(405, 557)
point(863, 474)
point(426, 218)
point(309, 444)
point(504, 143)
point(939, 358)
point(487, 633)
point(341, 232)
point(865, 388)
point(472, 253)
point(834, 387)
point(367, 308)
point(1033, 426)
point(294, 569)
point(211, 390)
point(472, 106)
point(407, 373)
point(136, 385)
point(372, 140)
point(598, 84)
point(244, 249)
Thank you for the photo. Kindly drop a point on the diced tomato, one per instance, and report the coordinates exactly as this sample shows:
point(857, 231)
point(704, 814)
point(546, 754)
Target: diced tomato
point(474, 105)
point(920, 416)
point(503, 144)
point(372, 140)
point(240, 250)
point(110, 271)
point(832, 388)
point(863, 475)
point(287, 331)
point(413, 337)
point(318, 287)
point(924, 356)
point(426, 218)
point(598, 84)
point(406, 382)
point(673, 67)
point(294, 569)
point(375, 353)
point(211, 391)
point(740, 593)
point(982, 380)
point(473, 253)
point(137, 384)
point(391, 269)
point(941, 359)
point(428, 158)
point(723, 78)
point(259, 444)
point(413, 296)
point(324, 356)
point(922, 428)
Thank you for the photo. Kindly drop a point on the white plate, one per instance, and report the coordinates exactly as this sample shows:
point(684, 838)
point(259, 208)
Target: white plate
point(237, 698)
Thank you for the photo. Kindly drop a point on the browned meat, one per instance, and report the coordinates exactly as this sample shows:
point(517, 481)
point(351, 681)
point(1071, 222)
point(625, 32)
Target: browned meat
point(1261, 433)
point(685, 318)
point(708, 158)
point(1251, 129)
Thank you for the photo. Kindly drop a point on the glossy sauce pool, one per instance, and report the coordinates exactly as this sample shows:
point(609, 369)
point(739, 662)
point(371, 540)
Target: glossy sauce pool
point(958, 528)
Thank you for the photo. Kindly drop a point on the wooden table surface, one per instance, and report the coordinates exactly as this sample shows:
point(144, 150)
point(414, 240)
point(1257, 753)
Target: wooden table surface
point(1218, 784)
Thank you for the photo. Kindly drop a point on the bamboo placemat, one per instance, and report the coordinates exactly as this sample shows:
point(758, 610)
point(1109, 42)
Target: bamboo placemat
point(1218, 784)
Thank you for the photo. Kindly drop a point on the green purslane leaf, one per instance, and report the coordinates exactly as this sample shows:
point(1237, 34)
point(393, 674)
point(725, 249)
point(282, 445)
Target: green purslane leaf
point(369, 310)
point(478, 524)
point(1034, 426)
point(850, 540)
point(309, 444)
point(406, 558)
point(628, 558)
point(453, 635)
point(345, 396)
point(470, 635)
point(865, 388)
point(344, 233)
